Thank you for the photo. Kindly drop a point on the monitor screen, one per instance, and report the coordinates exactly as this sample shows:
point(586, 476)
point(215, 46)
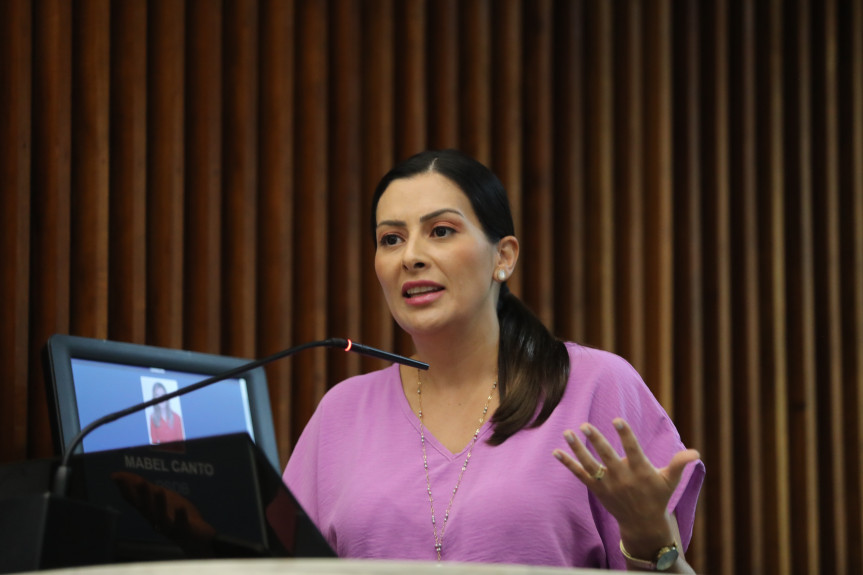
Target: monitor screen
point(88, 378)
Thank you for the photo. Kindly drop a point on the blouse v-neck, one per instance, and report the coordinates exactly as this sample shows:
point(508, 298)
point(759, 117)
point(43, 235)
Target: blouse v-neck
point(414, 421)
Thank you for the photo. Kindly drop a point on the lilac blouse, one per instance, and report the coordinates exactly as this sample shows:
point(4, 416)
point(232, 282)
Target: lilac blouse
point(357, 470)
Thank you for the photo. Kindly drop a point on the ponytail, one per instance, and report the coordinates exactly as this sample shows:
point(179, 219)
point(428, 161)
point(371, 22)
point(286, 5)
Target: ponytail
point(533, 368)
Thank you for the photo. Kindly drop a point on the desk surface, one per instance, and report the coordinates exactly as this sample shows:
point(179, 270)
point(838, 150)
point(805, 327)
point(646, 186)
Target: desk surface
point(316, 567)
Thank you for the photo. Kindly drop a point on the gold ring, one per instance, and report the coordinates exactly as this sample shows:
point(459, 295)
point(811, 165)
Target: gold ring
point(600, 473)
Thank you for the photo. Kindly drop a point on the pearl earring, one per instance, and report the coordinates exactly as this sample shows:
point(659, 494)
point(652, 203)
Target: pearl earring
point(501, 275)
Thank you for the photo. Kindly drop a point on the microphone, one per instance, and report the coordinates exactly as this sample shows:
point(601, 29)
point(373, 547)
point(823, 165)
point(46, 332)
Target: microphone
point(63, 470)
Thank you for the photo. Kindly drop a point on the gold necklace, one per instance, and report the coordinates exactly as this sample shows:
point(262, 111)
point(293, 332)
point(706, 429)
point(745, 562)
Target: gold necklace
point(438, 538)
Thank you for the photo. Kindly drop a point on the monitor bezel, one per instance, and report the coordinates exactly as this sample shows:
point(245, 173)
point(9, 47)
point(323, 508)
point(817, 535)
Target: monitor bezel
point(60, 349)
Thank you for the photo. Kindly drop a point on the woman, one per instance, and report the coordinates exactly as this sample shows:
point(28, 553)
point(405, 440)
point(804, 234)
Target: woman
point(165, 424)
point(466, 461)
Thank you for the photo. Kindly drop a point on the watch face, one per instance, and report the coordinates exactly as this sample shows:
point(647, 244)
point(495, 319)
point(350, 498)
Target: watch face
point(666, 558)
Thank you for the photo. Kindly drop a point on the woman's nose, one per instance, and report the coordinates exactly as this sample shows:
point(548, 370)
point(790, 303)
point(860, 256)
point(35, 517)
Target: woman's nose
point(413, 256)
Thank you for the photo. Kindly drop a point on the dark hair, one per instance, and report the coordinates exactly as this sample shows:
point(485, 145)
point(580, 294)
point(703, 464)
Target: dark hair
point(533, 365)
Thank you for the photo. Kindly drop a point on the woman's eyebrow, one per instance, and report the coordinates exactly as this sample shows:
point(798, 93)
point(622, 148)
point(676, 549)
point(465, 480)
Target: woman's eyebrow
point(440, 212)
point(393, 223)
point(425, 218)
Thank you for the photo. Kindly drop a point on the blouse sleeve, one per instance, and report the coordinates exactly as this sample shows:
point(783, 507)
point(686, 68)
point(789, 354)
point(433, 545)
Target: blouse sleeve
point(620, 392)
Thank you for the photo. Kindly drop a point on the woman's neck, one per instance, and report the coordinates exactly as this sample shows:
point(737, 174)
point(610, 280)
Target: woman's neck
point(462, 361)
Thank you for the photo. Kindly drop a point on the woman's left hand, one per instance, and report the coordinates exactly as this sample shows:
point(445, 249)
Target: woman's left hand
point(634, 491)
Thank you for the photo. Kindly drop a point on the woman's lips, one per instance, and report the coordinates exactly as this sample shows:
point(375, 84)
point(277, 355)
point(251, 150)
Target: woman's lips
point(416, 293)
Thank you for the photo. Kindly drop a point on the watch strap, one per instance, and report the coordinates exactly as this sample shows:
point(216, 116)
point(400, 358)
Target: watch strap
point(646, 564)
point(640, 563)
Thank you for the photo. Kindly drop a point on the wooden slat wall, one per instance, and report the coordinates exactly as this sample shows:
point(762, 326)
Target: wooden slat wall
point(687, 180)
point(689, 202)
point(16, 143)
point(203, 169)
point(801, 328)
point(775, 512)
point(719, 517)
point(850, 94)
point(746, 326)
point(50, 237)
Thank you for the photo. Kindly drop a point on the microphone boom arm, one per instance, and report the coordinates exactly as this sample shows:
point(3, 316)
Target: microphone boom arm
point(346, 344)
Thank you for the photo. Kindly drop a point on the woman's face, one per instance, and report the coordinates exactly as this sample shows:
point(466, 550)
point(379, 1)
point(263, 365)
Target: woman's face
point(434, 262)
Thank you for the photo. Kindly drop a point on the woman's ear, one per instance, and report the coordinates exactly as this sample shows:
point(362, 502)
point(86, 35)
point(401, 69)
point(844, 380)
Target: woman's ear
point(507, 257)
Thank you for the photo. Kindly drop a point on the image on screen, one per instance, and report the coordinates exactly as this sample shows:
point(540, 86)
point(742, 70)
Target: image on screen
point(102, 388)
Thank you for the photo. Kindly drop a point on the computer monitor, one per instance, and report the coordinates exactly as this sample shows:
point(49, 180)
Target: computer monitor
point(88, 378)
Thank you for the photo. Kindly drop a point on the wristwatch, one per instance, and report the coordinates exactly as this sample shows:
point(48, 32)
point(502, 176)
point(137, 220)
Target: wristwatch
point(662, 561)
